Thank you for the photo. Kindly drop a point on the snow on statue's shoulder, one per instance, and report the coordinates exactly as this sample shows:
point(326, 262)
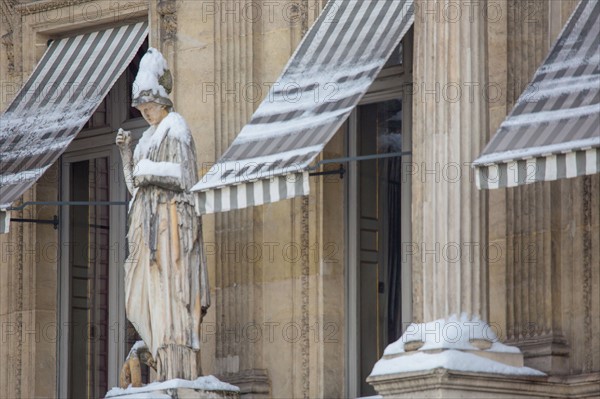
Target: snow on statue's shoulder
point(173, 126)
point(177, 127)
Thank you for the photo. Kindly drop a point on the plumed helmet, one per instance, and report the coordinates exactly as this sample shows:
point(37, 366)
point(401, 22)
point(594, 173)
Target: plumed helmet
point(154, 81)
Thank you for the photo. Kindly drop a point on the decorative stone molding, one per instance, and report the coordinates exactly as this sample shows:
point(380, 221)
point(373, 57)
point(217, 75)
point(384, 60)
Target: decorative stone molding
point(305, 343)
point(588, 363)
point(7, 42)
point(167, 9)
point(46, 5)
point(8, 11)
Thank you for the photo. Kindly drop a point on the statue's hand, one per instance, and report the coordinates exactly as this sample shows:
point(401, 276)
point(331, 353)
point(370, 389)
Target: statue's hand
point(123, 139)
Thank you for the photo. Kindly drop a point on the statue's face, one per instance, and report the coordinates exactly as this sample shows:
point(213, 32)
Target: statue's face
point(153, 113)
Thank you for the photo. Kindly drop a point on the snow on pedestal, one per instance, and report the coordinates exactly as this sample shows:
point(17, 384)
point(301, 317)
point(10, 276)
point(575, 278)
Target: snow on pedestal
point(456, 343)
point(208, 387)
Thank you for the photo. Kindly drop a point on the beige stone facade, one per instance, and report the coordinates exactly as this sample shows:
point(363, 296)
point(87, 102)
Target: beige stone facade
point(280, 324)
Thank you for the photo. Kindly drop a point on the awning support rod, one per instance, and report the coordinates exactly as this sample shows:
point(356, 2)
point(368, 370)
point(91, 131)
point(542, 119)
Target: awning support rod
point(359, 158)
point(341, 171)
point(53, 222)
point(66, 203)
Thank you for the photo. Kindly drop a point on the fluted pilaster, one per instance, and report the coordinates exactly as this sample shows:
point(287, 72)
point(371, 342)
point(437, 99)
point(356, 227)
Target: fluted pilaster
point(550, 226)
point(233, 230)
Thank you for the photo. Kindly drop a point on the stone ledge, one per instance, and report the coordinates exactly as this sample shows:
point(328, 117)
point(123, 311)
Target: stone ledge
point(178, 393)
point(253, 383)
point(207, 387)
point(443, 383)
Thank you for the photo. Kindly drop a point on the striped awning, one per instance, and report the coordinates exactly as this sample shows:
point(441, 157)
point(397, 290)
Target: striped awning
point(553, 131)
point(66, 87)
point(331, 70)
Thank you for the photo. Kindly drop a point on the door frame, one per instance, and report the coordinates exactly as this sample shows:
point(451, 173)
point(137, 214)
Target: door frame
point(392, 83)
point(117, 241)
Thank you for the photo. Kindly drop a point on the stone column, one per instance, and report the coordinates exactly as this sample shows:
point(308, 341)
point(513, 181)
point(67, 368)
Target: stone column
point(450, 129)
point(450, 243)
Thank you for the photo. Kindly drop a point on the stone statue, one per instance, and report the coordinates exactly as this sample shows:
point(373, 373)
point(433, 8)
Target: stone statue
point(166, 283)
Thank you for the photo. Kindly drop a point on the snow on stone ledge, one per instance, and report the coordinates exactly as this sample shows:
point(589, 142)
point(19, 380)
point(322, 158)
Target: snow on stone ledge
point(449, 359)
point(455, 337)
point(207, 383)
point(452, 333)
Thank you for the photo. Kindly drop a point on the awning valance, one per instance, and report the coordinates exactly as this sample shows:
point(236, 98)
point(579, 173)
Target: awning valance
point(66, 87)
point(333, 67)
point(553, 131)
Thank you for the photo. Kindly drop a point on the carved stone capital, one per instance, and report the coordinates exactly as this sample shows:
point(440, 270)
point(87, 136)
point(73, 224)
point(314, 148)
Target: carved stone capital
point(167, 9)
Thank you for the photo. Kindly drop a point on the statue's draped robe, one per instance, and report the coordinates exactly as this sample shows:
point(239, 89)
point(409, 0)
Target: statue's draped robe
point(166, 284)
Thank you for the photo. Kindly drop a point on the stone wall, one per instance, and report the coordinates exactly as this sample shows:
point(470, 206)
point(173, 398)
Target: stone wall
point(275, 297)
point(28, 255)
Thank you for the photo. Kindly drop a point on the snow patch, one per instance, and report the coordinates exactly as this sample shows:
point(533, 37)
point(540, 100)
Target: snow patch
point(207, 383)
point(23, 176)
point(216, 176)
point(163, 169)
point(152, 66)
point(549, 116)
point(452, 333)
point(451, 337)
point(450, 359)
point(558, 87)
point(173, 125)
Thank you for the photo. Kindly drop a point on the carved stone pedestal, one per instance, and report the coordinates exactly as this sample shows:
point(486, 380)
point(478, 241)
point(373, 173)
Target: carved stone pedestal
point(434, 351)
point(443, 383)
point(203, 388)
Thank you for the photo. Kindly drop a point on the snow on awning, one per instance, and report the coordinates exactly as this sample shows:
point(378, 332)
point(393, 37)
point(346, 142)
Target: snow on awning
point(324, 80)
point(553, 132)
point(66, 87)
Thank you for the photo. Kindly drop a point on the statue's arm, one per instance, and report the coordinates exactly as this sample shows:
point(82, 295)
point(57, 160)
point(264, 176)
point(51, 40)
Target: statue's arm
point(125, 148)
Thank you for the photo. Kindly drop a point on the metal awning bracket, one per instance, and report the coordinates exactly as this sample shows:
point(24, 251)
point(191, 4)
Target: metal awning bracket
point(341, 170)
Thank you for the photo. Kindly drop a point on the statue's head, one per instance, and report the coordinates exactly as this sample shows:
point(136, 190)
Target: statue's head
point(153, 83)
point(153, 112)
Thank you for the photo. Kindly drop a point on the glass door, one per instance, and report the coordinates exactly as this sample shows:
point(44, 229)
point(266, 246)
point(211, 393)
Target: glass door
point(89, 254)
point(379, 131)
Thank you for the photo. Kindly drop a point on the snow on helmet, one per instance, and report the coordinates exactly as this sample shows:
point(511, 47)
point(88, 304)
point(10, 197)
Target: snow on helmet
point(154, 81)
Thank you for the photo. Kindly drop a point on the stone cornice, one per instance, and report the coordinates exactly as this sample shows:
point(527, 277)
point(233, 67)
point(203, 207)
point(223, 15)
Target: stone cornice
point(45, 5)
